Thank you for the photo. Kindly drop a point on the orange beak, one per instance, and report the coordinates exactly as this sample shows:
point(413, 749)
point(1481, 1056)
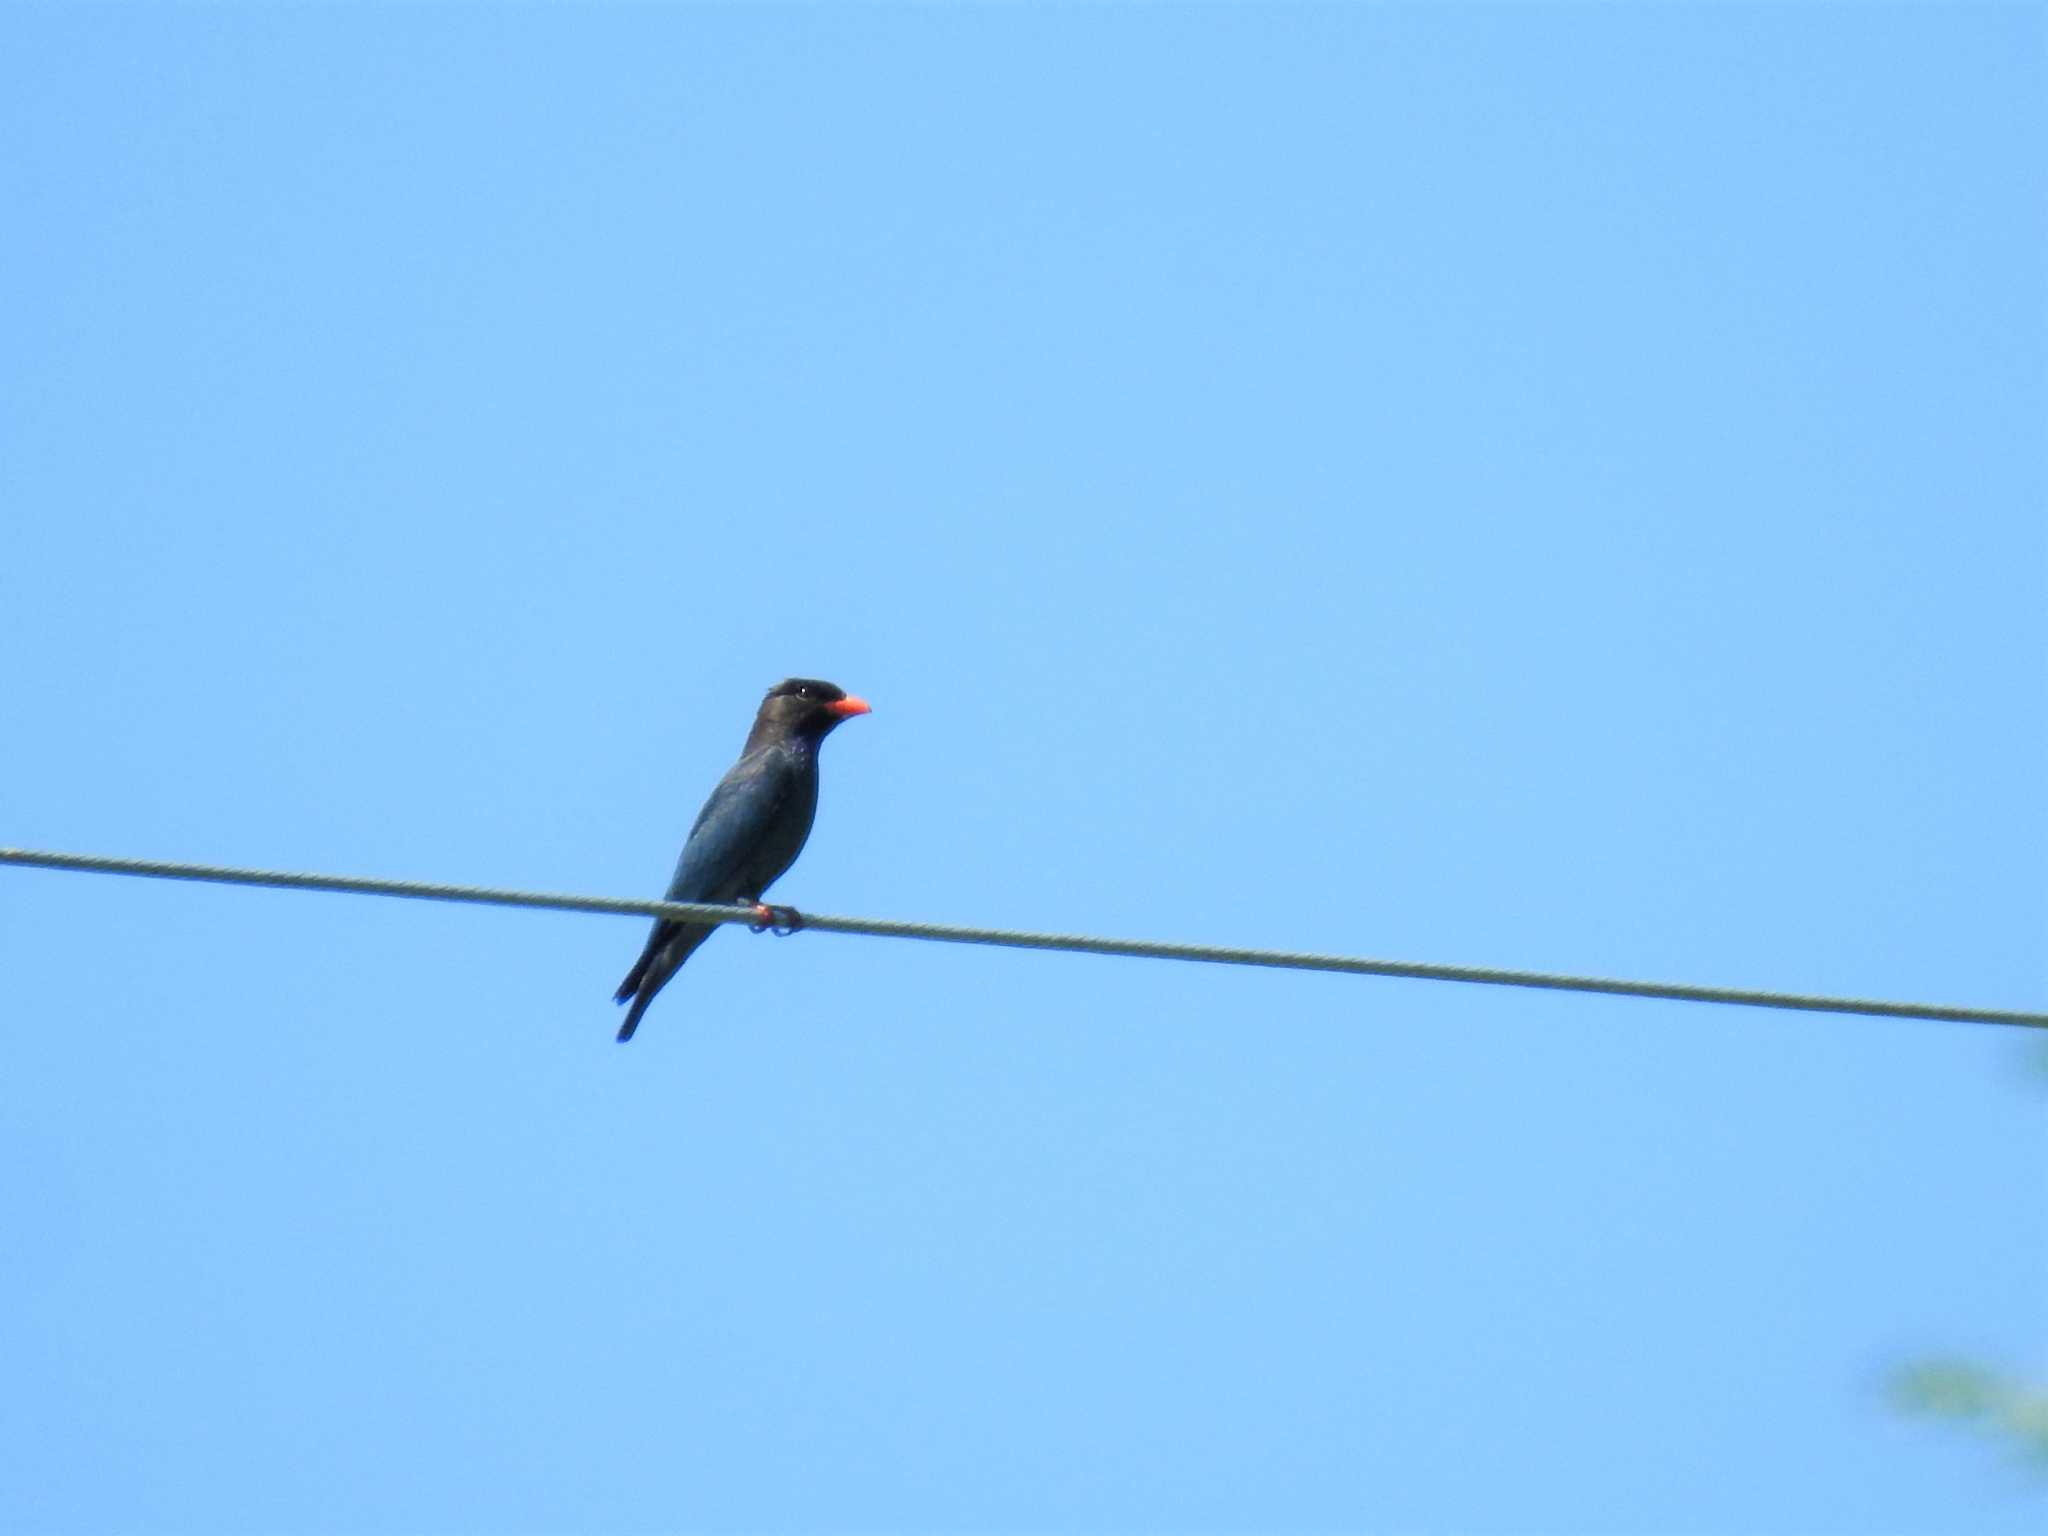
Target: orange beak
point(849, 706)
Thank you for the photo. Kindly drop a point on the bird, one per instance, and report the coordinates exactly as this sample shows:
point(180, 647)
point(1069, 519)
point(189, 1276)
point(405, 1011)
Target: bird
point(750, 830)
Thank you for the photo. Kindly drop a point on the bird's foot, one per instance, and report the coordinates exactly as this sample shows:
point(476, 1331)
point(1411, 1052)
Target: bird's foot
point(782, 921)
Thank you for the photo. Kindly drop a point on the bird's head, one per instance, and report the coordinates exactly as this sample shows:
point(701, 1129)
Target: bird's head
point(804, 706)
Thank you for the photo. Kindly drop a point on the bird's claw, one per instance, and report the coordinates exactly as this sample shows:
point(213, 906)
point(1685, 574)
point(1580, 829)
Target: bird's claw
point(781, 921)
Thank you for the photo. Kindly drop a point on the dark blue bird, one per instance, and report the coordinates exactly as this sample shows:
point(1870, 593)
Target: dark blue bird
point(750, 830)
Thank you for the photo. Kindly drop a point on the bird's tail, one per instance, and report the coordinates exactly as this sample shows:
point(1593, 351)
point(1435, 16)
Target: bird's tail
point(635, 976)
point(633, 1014)
point(667, 948)
point(636, 986)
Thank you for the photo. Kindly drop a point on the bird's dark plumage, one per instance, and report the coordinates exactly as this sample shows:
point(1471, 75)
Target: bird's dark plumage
point(750, 830)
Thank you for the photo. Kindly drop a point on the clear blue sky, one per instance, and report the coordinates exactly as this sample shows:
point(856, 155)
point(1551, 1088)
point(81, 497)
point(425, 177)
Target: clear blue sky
point(1543, 487)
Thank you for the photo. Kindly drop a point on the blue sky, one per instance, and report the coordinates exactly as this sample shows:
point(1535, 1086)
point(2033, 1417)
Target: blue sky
point(1553, 487)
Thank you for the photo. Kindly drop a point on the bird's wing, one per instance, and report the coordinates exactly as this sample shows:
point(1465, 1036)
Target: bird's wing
point(727, 836)
point(735, 821)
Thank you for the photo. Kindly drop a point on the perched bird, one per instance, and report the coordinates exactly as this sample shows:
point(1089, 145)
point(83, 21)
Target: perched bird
point(750, 830)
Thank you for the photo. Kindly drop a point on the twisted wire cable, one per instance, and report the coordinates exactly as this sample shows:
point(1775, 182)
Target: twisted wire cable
point(1013, 938)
